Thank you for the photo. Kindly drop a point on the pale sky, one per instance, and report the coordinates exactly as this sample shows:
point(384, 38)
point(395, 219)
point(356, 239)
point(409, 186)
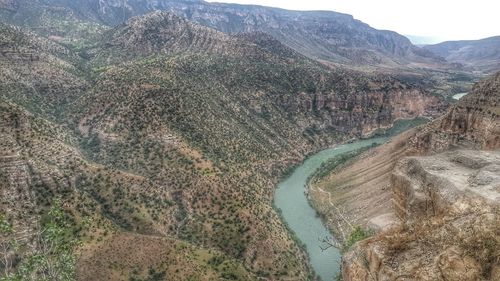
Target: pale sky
point(440, 19)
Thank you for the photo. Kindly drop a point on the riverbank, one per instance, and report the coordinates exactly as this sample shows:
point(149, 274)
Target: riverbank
point(358, 189)
point(303, 220)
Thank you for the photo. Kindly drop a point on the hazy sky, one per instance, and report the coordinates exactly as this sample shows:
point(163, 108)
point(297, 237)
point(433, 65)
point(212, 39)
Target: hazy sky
point(440, 19)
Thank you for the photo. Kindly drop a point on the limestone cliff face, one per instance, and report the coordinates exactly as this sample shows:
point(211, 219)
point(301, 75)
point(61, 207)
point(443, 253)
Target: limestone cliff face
point(473, 122)
point(449, 207)
point(359, 115)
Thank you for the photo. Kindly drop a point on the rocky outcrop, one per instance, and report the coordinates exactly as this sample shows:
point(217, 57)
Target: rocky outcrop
point(421, 185)
point(474, 122)
point(449, 207)
point(361, 114)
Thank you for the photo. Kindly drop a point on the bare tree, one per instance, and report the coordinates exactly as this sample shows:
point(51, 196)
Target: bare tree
point(327, 243)
point(8, 245)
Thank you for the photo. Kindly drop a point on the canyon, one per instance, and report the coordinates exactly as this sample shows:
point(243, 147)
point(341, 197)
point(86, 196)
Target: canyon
point(150, 136)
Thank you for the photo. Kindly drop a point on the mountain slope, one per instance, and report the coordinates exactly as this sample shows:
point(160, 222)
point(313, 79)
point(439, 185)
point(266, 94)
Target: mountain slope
point(481, 55)
point(38, 73)
point(322, 35)
point(329, 37)
point(69, 22)
point(160, 33)
point(107, 208)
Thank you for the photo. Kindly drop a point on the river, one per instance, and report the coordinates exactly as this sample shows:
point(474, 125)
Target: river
point(459, 96)
point(301, 218)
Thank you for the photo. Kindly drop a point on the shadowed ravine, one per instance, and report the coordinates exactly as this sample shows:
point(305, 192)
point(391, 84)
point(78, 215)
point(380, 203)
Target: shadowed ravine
point(301, 218)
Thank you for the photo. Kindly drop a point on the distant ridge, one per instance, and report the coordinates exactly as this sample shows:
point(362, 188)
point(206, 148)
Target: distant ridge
point(480, 55)
point(322, 35)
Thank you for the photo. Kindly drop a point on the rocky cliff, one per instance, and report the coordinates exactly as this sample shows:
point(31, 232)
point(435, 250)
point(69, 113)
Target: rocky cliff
point(454, 194)
point(361, 116)
point(449, 208)
point(375, 179)
point(473, 122)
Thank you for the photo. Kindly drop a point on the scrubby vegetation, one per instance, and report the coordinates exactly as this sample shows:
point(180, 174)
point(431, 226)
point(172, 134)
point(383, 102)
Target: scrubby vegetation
point(50, 257)
point(357, 234)
point(163, 142)
point(336, 162)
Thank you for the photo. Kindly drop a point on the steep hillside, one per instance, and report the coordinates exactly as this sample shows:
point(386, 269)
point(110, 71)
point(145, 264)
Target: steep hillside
point(122, 199)
point(70, 22)
point(38, 73)
point(39, 163)
point(479, 55)
point(161, 33)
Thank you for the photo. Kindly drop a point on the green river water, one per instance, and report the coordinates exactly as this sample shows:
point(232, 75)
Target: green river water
point(459, 96)
point(301, 218)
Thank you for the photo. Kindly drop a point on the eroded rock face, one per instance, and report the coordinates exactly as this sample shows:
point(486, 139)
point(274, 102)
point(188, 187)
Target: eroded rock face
point(449, 208)
point(473, 122)
point(360, 114)
point(421, 185)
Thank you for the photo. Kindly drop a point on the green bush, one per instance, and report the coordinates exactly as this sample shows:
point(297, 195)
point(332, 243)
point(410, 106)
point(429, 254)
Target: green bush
point(54, 259)
point(356, 235)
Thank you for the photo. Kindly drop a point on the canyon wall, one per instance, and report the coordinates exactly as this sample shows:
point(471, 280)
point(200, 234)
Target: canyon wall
point(443, 208)
point(417, 206)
